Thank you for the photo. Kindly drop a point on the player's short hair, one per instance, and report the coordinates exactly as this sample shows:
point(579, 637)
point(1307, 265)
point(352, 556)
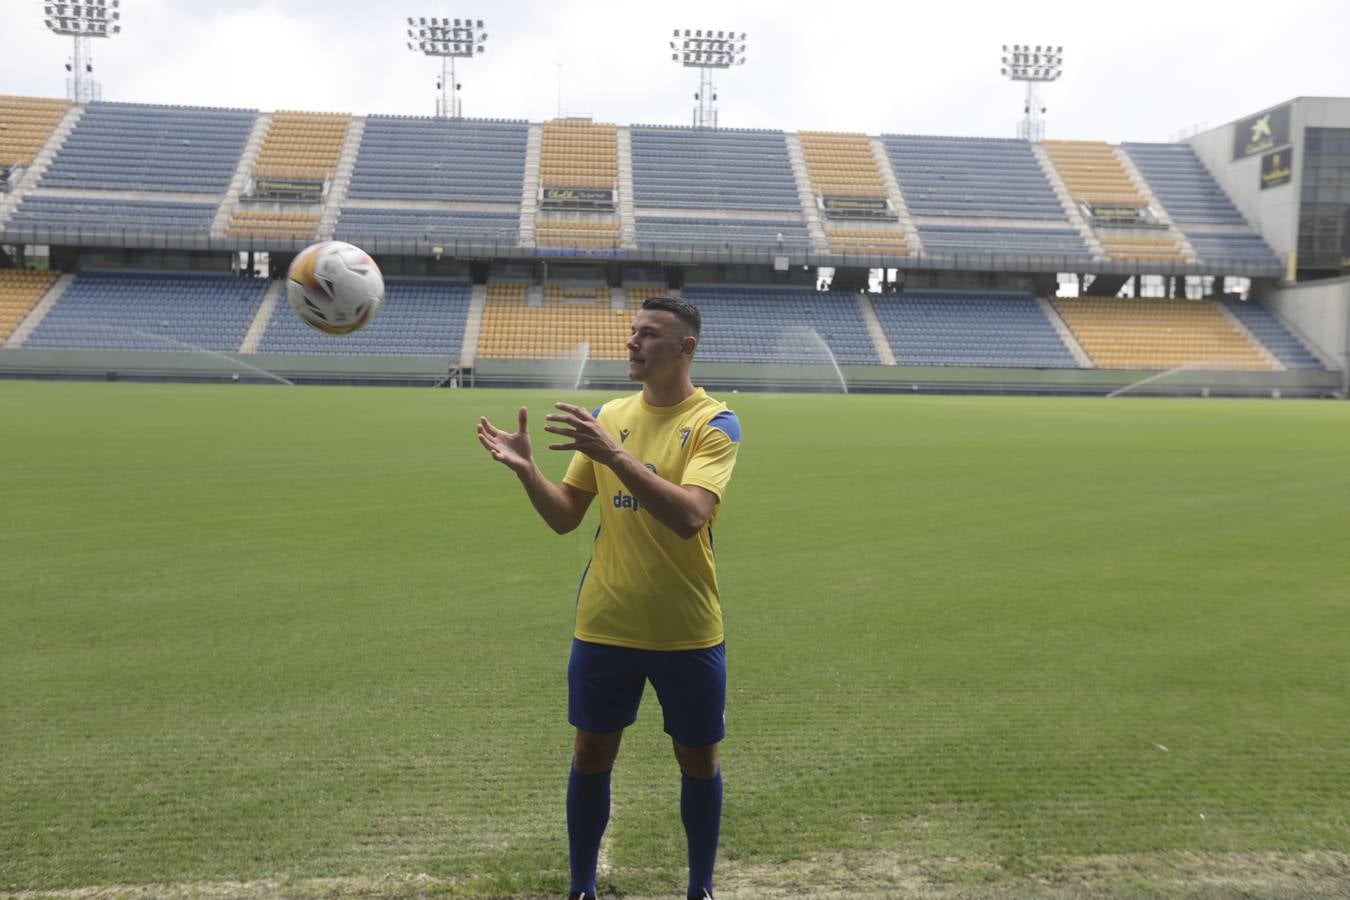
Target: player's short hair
point(685, 312)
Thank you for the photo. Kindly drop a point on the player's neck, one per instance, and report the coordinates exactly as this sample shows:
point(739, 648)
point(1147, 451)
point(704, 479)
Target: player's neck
point(669, 391)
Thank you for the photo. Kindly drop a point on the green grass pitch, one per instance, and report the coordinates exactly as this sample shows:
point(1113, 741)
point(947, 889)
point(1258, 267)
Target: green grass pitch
point(252, 633)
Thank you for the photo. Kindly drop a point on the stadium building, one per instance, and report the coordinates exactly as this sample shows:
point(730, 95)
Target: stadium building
point(146, 241)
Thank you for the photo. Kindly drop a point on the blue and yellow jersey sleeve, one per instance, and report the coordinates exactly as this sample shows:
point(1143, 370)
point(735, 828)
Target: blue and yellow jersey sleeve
point(714, 456)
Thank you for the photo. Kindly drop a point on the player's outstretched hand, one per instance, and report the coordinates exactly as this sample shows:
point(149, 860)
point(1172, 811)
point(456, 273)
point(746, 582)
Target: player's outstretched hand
point(584, 433)
point(511, 449)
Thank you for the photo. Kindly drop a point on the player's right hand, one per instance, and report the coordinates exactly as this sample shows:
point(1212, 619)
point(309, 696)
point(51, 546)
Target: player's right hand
point(511, 449)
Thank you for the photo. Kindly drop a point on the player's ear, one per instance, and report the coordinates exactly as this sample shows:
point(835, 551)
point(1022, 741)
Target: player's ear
point(688, 345)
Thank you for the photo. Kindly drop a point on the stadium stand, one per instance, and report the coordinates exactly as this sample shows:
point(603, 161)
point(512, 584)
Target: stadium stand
point(1145, 333)
point(1159, 246)
point(1092, 173)
point(726, 234)
point(259, 223)
point(25, 125)
point(1183, 185)
point(357, 224)
point(1230, 246)
point(701, 168)
point(419, 317)
point(579, 153)
point(576, 233)
point(777, 325)
point(20, 291)
point(302, 145)
point(958, 328)
point(139, 311)
point(137, 147)
point(971, 177)
point(996, 241)
point(450, 160)
point(639, 293)
point(96, 214)
point(867, 240)
point(569, 317)
point(1287, 348)
point(841, 165)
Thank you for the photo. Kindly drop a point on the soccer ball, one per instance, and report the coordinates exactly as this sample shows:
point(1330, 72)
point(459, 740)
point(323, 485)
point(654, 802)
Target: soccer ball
point(334, 287)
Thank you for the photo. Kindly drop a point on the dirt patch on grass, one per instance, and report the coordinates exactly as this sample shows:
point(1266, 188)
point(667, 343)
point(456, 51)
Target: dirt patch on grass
point(1190, 876)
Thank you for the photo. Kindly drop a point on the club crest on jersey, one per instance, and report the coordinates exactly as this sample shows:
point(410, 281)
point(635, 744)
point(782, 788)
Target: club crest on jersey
point(623, 435)
point(684, 436)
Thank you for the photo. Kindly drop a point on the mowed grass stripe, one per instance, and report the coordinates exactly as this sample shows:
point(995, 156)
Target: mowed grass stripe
point(253, 631)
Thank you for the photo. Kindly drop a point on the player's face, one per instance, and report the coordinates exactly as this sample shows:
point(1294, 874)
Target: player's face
point(657, 344)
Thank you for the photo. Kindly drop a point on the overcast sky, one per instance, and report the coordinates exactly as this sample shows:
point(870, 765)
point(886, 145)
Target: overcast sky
point(1134, 70)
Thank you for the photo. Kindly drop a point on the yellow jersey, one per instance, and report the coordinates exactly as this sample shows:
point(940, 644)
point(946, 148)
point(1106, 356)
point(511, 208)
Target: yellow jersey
point(645, 586)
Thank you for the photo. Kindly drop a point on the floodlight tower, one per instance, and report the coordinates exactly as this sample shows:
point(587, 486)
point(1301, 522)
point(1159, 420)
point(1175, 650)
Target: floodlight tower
point(705, 49)
point(1032, 64)
point(450, 39)
point(82, 21)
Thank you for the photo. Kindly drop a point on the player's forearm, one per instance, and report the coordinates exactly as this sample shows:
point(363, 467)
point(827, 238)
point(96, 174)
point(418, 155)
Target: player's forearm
point(548, 500)
point(668, 503)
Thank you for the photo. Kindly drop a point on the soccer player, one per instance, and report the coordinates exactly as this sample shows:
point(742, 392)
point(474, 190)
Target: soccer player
point(648, 607)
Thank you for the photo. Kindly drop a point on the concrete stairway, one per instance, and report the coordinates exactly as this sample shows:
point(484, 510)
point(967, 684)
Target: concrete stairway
point(241, 174)
point(342, 178)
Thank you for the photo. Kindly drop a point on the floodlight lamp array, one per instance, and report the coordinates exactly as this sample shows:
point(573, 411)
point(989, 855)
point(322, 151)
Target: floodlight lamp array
point(92, 18)
point(707, 48)
point(440, 36)
point(1028, 62)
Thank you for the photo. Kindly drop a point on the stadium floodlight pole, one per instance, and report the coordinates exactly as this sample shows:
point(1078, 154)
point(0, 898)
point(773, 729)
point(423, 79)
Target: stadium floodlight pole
point(450, 39)
point(1033, 65)
point(82, 21)
point(706, 49)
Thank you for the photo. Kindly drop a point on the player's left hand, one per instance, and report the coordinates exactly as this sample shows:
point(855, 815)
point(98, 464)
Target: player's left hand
point(584, 433)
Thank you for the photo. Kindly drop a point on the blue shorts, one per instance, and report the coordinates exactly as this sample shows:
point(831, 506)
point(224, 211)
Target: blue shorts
point(604, 688)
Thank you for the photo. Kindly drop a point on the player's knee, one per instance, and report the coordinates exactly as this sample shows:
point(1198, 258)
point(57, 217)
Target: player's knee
point(592, 752)
point(697, 762)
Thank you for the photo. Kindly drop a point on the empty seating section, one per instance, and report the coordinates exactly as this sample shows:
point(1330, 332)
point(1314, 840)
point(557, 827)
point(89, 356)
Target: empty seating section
point(578, 233)
point(137, 311)
point(978, 177)
point(867, 240)
point(704, 168)
point(723, 234)
point(302, 145)
point(1092, 173)
point(570, 317)
point(991, 240)
point(773, 325)
point(841, 165)
point(356, 224)
point(92, 214)
point(1183, 185)
point(474, 160)
point(25, 125)
point(1143, 333)
point(258, 223)
point(578, 153)
point(20, 291)
point(1287, 348)
point(1140, 247)
point(957, 328)
point(640, 293)
point(1231, 246)
point(134, 147)
point(419, 317)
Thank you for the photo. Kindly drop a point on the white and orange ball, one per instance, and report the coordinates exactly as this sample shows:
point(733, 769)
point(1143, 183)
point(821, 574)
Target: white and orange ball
point(334, 287)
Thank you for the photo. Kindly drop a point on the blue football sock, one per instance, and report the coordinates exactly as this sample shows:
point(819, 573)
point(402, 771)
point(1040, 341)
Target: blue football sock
point(587, 816)
point(701, 812)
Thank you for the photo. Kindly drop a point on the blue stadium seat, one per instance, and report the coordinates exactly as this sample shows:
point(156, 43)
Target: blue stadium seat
point(722, 234)
point(358, 223)
point(780, 325)
point(964, 328)
point(419, 317)
point(92, 214)
point(995, 241)
point(1183, 185)
point(971, 177)
point(1271, 332)
point(139, 311)
point(702, 168)
point(469, 160)
point(139, 147)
